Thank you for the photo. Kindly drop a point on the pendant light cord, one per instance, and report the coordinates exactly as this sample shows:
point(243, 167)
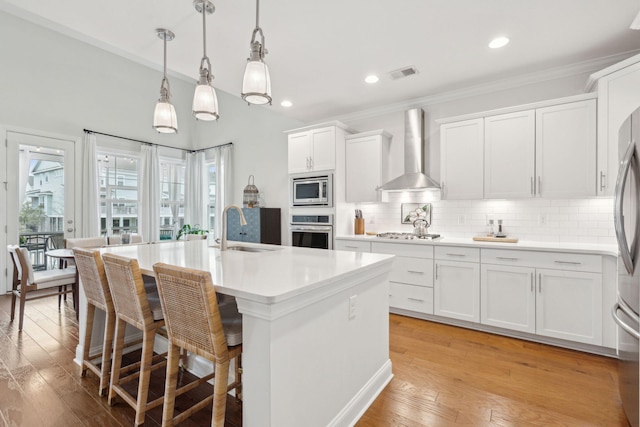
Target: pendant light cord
point(257, 13)
point(204, 28)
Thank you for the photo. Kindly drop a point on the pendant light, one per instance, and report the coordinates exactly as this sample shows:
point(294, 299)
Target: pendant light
point(256, 84)
point(205, 101)
point(164, 116)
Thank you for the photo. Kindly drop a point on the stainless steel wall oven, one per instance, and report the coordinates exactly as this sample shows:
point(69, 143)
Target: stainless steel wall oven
point(312, 231)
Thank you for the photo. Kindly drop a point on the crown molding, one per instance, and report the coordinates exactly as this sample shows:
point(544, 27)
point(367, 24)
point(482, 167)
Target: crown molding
point(592, 65)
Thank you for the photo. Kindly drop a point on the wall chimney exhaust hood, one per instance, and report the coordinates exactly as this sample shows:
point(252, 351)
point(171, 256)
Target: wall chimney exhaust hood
point(414, 177)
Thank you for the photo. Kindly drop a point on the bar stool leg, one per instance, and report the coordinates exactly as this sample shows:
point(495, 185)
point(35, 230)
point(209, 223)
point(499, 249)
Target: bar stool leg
point(145, 375)
point(171, 383)
point(107, 349)
point(117, 360)
point(221, 380)
point(88, 333)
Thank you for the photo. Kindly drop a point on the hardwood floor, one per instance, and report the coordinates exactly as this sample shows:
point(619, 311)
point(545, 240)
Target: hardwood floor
point(443, 376)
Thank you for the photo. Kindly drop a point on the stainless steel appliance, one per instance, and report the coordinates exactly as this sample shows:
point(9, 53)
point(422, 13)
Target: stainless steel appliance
point(408, 236)
point(312, 231)
point(312, 190)
point(627, 308)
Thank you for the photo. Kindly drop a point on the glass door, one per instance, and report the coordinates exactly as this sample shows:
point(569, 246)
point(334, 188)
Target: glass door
point(40, 207)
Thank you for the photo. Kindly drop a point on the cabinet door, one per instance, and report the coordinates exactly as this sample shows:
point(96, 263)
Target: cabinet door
point(299, 154)
point(509, 155)
point(352, 245)
point(566, 150)
point(323, 149)
point(251, 231)
point(462, 151)
point(508, 298)
point(457, 290)
point(411, 297)
point(364, 169)
point(235, 231)
point(569, 305)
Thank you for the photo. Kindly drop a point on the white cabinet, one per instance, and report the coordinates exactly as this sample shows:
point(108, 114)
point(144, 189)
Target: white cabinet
point(352, 245)
point(507, 297)
point(456, 291)
point(509, 155)
point(564, 301)
point(411, 277)
point(569, 306)
point(548, 150)
point(312, 150)
point(618, 88)
point(462, 148)
point(366, 165)
point(566, 150)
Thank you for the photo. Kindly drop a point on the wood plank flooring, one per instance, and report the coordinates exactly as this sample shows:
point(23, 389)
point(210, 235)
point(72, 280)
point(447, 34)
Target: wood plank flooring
point(443, 376)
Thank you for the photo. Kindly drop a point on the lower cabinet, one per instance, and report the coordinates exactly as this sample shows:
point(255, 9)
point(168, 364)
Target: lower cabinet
point(555, 303)
point(456, 290)
point(508, 298)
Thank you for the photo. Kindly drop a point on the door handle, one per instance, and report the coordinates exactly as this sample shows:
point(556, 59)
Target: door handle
point(539, 283)
point(627, 328)
point(539, 185)
point(627, 253)
point(533, 190)
point(602, 181)
point(532, 285)
point(69, 230)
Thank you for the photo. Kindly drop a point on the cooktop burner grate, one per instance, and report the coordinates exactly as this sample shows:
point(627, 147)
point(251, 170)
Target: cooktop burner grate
point(407, 236)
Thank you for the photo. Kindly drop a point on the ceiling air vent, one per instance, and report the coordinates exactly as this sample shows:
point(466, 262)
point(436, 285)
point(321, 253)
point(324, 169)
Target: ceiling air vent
point(403, 72)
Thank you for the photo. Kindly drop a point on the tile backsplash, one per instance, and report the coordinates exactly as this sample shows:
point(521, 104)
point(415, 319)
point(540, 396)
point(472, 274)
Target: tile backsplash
point(548, 220)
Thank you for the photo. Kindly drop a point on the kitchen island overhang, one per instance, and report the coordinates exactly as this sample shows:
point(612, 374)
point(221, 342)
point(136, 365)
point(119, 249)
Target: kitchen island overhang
point(315, 326)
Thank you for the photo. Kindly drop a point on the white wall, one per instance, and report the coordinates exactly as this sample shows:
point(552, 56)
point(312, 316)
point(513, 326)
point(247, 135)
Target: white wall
point(53, 83)
point(582, 220)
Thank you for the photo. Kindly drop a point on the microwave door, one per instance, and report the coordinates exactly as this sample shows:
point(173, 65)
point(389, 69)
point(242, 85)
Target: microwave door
point(307, 191)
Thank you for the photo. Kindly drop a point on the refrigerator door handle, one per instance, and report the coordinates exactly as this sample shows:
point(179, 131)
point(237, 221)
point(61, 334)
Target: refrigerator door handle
point(626, 253)
point(627, 328)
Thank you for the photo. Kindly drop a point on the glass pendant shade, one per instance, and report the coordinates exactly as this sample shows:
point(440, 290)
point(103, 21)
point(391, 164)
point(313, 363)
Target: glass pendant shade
point(205, 103)
point(256, 84)
point(164, 118)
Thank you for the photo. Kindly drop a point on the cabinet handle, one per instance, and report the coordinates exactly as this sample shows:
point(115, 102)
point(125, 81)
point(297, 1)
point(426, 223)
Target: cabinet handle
point(602, 175)
point(539, 185)
point(415, 299)
point(532, 286)
point(436, 271)
point(415, 272)
point(533, 191)
point(540, 283)
point(507, 258)
point(568, 262)
point(310, 162)
point(442, 192)
point(460, 255)
point(351, 247)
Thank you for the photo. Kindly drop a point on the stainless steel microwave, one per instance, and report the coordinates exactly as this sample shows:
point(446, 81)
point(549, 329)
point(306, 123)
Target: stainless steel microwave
point(312, 191)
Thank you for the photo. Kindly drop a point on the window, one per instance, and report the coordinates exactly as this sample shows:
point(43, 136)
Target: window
point(172, 174)
point(118, 177)
point(211, 206)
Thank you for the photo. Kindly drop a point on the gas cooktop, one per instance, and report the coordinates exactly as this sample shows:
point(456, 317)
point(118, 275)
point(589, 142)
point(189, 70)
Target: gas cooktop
point(407, 236)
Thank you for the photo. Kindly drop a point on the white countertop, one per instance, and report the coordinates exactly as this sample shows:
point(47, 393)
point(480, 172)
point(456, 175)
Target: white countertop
point(588, 248)
point(266, 277)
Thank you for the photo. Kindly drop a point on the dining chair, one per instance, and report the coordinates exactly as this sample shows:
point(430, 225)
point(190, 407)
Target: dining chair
point(196, 323)
point(85, 242)
point(117, 240)
point(135, 307)
point(36, 284)
point(96, 289)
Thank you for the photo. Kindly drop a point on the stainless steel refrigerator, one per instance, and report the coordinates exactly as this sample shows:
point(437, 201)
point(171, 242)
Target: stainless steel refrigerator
point(626, 311)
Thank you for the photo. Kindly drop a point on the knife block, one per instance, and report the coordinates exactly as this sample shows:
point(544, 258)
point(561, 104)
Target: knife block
point(358, 226)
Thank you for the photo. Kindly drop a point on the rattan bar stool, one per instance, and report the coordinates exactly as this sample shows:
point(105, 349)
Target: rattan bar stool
point(195, 323)
point(135, 307)
point(96, 289)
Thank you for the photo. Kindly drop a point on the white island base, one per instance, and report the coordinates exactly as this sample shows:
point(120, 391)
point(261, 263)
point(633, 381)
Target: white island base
point(315, 326)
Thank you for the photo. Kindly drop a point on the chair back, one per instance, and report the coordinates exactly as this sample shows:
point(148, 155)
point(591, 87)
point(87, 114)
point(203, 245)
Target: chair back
point(93, 278)
point(191, 312)
point(196, 236)
point(17, 268)
point(117, 240)
point(26, 269)
point(85, 242)
point(127, 290)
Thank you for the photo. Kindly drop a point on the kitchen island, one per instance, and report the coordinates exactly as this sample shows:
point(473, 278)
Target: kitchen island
point(315, 325)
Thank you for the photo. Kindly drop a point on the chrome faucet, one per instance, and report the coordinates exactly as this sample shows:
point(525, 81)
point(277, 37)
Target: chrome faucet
point(243, 221)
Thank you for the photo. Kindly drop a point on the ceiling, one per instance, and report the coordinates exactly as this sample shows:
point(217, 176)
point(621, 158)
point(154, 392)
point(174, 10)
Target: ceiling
point(320, 51)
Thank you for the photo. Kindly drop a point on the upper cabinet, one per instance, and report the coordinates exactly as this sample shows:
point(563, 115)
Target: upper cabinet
point(367, 165)
point(618, 89)
point(548, 151)
point(461, 149)
point(314, 148)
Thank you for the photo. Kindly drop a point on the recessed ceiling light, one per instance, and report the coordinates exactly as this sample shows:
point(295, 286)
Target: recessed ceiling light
point(286, 103)
point(371, 79)
point(498, 42)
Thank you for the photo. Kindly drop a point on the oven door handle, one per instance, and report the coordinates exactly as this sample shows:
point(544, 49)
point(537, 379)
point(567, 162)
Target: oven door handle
point(312, 228)
point(614, 312)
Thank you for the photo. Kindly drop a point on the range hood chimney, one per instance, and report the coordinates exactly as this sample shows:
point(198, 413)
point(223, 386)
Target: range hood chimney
point(414, 177)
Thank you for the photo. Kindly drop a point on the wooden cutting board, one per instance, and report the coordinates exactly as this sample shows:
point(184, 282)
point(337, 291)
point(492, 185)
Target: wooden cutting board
point(495, 239)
